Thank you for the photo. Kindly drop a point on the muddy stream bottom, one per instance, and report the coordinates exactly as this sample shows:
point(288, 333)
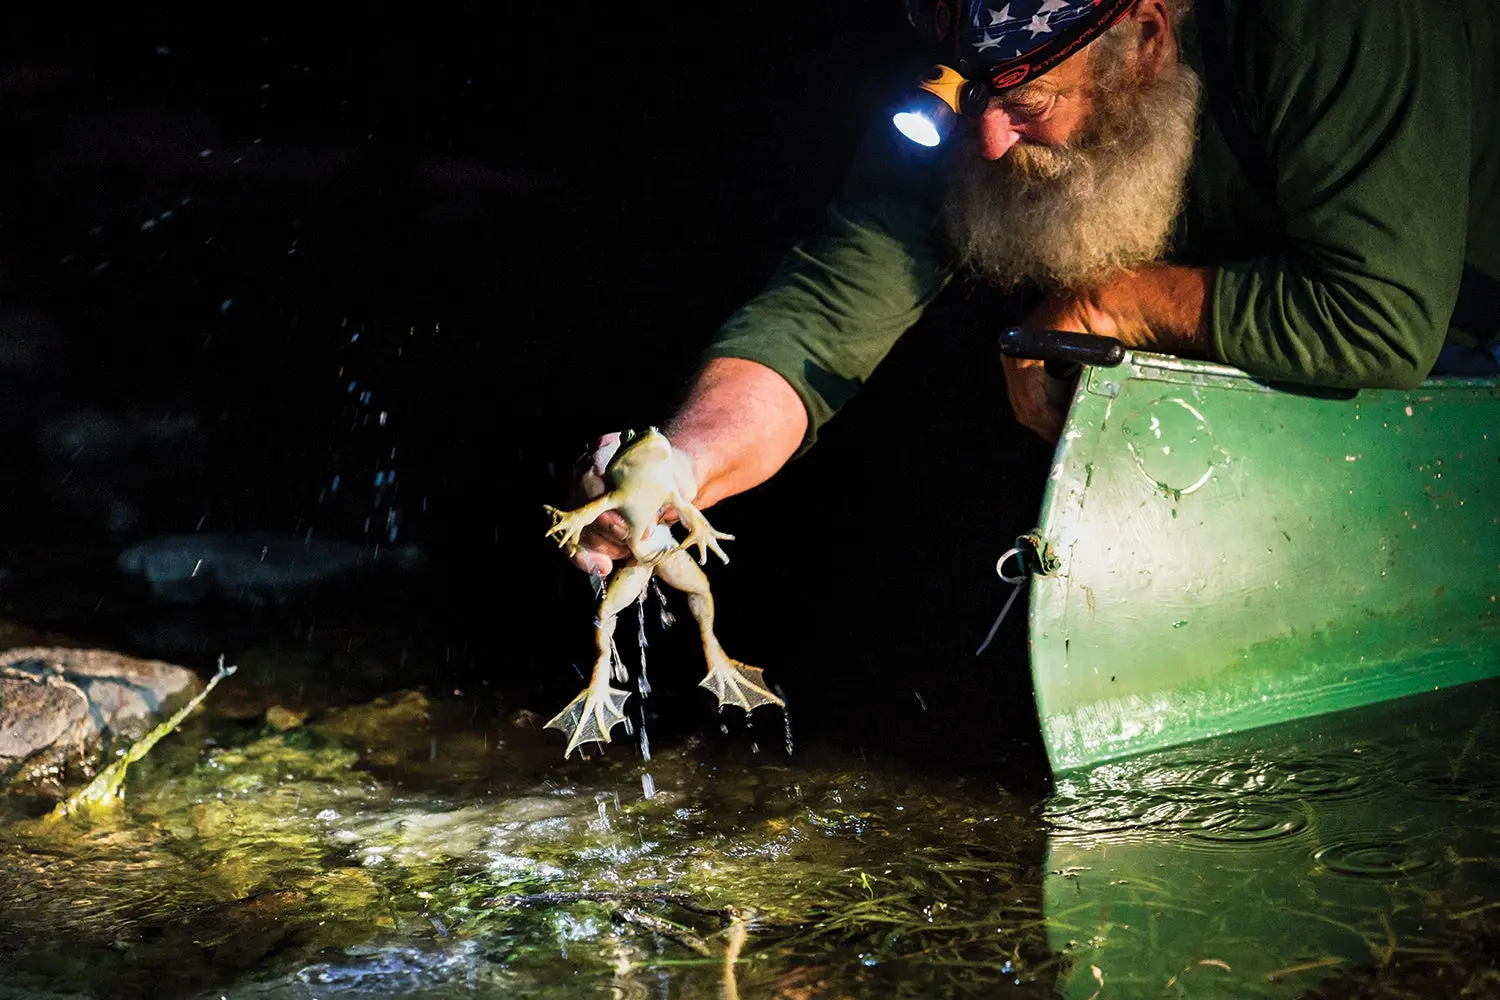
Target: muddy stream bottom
point(435, 843)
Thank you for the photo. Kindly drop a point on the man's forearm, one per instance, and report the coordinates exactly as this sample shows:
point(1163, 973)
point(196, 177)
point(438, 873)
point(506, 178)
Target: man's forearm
point(739, 423)
point(1160, 308)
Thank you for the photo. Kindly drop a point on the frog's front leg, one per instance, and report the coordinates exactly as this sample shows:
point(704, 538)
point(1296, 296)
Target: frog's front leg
point(567, 525)
point(700, 532)
point(732, 682)
point(599, 707)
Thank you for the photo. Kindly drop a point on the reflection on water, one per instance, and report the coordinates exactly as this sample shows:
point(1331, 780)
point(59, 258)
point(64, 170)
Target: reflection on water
point(1265, 863)
point(406, 849)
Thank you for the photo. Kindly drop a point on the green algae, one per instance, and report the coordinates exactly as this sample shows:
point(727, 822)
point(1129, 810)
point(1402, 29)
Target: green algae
point(385, 850)
point(108, 787)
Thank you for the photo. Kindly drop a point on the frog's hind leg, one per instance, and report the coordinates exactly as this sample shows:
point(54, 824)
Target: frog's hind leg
point(599, 707)
point(732, 682)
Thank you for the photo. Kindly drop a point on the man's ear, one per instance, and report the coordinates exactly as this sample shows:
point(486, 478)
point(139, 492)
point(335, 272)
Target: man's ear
point(1156, 47)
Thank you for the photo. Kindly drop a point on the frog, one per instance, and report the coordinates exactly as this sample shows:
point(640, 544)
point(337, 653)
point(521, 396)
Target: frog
point(641, 486)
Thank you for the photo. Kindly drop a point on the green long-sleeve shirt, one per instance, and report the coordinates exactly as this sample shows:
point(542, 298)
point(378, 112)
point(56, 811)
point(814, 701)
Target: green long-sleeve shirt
point(1338, 254)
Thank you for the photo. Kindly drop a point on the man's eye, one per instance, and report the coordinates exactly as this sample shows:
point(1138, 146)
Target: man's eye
point(1035, 109)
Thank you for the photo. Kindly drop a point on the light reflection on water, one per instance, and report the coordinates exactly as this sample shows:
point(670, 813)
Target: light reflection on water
point(316, 863)
point(1262, 864)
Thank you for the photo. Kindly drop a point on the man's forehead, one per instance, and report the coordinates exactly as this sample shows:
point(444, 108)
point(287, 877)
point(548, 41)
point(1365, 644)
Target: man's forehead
point(1066, 75)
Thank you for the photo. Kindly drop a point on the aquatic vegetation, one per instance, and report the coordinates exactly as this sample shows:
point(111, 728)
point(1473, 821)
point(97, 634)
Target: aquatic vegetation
point(108, 786)
point(350, 856)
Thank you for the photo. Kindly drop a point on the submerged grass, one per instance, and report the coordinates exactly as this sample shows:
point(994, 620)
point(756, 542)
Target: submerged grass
point(385, 850)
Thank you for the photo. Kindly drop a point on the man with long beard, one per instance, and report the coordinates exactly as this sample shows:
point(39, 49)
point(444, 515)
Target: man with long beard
point(1325, 211)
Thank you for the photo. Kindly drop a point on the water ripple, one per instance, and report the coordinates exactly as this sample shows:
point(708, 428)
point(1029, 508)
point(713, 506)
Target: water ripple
point(1374, 856)
point(1246, 823)
point(1431, 779)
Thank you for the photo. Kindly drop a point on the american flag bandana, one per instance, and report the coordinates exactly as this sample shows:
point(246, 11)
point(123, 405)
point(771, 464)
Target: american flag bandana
point(1007, 42)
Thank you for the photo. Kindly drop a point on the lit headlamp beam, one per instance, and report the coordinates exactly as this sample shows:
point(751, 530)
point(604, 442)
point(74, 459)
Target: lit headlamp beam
point(942, 96)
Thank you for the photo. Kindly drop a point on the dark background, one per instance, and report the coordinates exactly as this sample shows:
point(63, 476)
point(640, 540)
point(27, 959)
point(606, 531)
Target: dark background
point(533, 222)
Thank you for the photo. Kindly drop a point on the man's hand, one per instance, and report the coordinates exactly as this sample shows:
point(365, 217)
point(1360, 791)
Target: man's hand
point(607, 539)
point(1040, 401)
point(1160, 308)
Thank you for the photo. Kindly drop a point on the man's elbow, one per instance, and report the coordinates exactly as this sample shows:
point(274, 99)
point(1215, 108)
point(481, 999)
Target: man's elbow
point(1394, 361)
point(1374, 348)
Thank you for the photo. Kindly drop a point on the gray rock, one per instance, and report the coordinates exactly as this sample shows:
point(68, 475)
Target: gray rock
point(57, 704)
point(254, 568)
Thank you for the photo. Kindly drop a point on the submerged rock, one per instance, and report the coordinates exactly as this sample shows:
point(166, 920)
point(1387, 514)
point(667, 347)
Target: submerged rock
point(57, 704)
point(254, 568)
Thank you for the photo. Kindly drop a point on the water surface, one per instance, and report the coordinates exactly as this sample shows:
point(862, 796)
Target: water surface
point(430, 844)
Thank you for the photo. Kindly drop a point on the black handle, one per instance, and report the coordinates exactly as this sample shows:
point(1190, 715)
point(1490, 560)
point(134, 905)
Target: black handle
point(1061, 347)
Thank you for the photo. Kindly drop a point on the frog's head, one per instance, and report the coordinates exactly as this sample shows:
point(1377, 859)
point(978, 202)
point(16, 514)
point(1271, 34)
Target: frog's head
point(640, 446)
point(632, 438)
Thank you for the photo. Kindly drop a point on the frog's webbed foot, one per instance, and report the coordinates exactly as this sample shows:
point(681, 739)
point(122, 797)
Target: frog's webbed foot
point(590, 716)
point(701, 533)
point(736, 683)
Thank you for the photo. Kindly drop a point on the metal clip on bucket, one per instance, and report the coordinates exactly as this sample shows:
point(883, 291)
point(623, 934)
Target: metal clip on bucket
point(1033, 557)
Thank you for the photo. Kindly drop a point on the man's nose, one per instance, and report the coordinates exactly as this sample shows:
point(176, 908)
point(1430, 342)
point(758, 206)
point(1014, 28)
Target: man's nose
point(996, 134)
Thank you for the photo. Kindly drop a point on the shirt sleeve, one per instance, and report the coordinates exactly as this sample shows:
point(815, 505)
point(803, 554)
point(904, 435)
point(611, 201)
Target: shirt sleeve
point(1366, 110)
point(841, 299)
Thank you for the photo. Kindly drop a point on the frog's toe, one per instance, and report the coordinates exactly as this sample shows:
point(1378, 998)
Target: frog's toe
point(566, 530)
point(707, 540)
point(589, 717)
point(736, 683)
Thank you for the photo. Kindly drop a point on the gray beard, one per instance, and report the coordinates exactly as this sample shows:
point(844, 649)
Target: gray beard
point(1070, 217)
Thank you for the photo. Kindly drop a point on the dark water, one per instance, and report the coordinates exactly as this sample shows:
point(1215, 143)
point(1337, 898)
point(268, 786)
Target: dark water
point(245, 256)
point(437, 845)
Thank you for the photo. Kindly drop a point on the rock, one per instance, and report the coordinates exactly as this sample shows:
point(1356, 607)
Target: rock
point(281, 718)
point(58, 703)
point(383, 719)
point(255, 568)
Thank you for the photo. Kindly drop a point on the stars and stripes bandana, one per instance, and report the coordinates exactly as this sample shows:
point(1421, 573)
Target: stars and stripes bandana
point(1007, 42)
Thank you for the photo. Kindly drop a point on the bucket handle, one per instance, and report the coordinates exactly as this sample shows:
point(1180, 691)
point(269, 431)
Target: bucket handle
point(1064, 352)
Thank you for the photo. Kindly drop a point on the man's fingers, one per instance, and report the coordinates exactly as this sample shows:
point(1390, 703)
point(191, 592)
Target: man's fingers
point(1040, 401)
point(588, 471)
point(606, 540)
point(593, 562)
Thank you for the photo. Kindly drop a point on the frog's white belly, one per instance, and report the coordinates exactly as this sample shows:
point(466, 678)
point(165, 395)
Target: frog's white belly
point(658, 541)
point(648, 538)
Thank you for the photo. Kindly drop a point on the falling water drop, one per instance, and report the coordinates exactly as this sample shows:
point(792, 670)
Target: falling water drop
point(786, 716)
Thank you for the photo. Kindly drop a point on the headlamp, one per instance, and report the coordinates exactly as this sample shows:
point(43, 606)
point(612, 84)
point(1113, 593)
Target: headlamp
point(943, 94)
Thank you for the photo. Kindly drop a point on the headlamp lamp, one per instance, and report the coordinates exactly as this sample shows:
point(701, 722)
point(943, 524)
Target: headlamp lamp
point(943, 95)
